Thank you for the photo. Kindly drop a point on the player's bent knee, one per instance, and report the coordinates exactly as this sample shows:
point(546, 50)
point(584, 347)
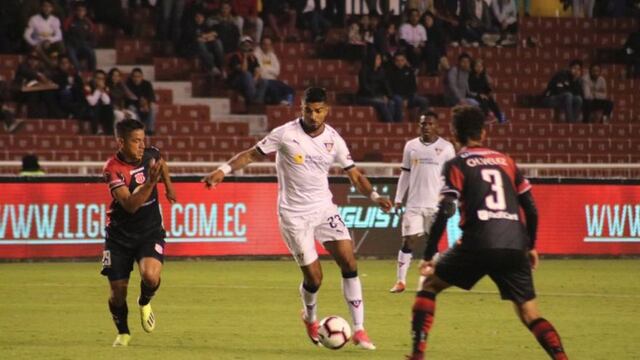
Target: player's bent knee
point(151, 278)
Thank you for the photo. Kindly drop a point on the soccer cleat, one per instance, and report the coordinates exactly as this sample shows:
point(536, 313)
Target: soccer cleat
point(122, 340)
point(312, 330)
point(360, 338)
point(147, 318)
point(398, 287)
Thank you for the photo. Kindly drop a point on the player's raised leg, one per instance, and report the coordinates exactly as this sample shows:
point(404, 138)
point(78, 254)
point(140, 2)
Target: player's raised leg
point(119, 310)
point(342, 252)
point(150, 269)
point(312, 274)
point(542, 329)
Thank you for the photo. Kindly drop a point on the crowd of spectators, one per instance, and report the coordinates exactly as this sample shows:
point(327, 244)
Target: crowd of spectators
point(59, 77)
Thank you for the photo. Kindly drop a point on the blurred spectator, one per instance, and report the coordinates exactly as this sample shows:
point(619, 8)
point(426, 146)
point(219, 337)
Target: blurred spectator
point(448, 14)
point(120, 95)
point(526, 7)
point(244, 73)
point(314, 19)
point(372, 5)
point(100, 109)
point(80, 38)
point(169, 19)
point(456, 83)
point(335, 10)
point(143, 105)
point(44, 33)
point(359, 37)
point(276, 91)
point(404, 88)
point(206, 44)
point(385, 41)
point(564, 92)
point(110, 13)
point(631, 51)
point(225, 25)
point(70, 90)
point(506, 16)
point(36, 91)
point(436, 45)
point(10, 27)
point(373, 88)
point(476, 23)
point(582, 8)
point(31, 166)
point(8, 118)
point(281, 14)
point(594, 87)
point(247, 12)
point(413, 37)
point(480, 89)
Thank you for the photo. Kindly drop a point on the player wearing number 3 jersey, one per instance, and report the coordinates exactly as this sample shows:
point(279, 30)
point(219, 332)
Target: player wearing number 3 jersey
point(306, 148)
point(496, 241)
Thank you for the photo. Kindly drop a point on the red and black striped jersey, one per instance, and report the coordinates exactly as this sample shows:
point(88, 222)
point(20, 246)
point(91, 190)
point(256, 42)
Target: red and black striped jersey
point(487, 184)
point(123, 227)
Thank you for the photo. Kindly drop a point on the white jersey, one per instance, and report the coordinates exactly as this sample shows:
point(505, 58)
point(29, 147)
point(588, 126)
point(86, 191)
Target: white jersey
point(303, 163)
point(423, 162)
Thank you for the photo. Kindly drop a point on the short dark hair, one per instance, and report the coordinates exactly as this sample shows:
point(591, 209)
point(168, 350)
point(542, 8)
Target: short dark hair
point(464, 55)
point(125, 126)
point(315, 95)
point(468, 122)
point(575, 62)
point(136, 69)
point(427, 114)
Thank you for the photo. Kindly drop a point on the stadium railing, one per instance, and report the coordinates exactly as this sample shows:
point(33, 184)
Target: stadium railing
point(593, 170)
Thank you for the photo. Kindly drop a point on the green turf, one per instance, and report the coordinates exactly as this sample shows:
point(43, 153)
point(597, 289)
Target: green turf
point(250, 310)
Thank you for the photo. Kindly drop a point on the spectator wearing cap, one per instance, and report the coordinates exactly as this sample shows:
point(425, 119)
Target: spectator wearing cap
point(594, 87)
point(44, 32)
point(79, 37)
point(31, 166)
point(244, 73)
point(276, 90)
point(564, 92)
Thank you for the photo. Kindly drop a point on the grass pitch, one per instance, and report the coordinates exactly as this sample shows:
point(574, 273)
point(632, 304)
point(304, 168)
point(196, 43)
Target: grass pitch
point(250, 310)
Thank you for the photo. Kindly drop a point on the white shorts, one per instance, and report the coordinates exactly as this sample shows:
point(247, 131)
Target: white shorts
point(417, 221)
point(301, 232)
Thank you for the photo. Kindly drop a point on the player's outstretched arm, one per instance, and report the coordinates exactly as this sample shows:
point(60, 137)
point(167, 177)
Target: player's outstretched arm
point(364, 187)
point(166, 179)
point(237, 162)
point(132, 202)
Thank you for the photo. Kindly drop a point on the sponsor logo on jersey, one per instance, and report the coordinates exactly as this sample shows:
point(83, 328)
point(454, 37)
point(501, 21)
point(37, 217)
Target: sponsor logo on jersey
point(328, 146)
point(159, 249)
point(486, 215)
point(140, 178)
point(298, 159)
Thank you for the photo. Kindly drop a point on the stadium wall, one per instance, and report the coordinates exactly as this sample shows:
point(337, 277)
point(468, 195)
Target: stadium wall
point(65, 218)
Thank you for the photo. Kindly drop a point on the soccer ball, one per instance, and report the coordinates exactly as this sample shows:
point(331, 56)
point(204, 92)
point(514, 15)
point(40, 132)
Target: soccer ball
point(334, 332)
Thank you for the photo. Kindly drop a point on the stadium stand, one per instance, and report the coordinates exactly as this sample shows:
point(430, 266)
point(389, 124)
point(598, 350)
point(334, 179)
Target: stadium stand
point(199, 119)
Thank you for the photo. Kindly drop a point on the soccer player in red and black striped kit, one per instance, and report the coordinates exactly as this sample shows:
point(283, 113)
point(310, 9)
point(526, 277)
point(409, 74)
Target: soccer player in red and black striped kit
point(496, 242)
point(134, 232)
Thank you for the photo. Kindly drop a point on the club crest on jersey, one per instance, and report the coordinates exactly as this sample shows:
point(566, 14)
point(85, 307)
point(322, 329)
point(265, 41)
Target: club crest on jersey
point(140, 179)
point(159, 249)
point(438, 151)
point(328, 146)
point(298, 159)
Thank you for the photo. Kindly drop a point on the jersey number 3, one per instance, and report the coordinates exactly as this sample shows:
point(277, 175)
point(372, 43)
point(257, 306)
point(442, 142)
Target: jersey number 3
point(495, 200)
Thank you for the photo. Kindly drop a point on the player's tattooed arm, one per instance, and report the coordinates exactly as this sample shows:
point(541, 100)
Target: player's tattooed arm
point(364, 187)
point(237, 162)
point(166, 179)
point(132, 202)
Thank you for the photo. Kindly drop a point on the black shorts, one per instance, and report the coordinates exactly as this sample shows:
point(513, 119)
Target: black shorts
point(117, 260)
point(509, 269)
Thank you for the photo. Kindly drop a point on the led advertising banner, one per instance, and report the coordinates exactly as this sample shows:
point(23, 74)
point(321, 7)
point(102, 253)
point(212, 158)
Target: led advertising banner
point(67, 219)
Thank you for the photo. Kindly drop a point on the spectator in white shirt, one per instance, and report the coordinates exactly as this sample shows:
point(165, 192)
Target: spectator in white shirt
point(44, 32)
point(413, 38)
point(594, 88)
point(506, 15)
point(277, 91)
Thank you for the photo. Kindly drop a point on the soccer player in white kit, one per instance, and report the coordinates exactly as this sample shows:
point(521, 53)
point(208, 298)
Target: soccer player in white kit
point(421, 181)
point(305, 150)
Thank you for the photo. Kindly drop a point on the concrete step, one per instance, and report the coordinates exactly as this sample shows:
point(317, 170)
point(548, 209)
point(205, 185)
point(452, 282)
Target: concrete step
point(105, 58)
point(217, 106)
point(258, 124)
point(181, 89)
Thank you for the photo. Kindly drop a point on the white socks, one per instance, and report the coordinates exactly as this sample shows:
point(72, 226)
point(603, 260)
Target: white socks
point(309, 301)
point(404, 261)
point(352, 290)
